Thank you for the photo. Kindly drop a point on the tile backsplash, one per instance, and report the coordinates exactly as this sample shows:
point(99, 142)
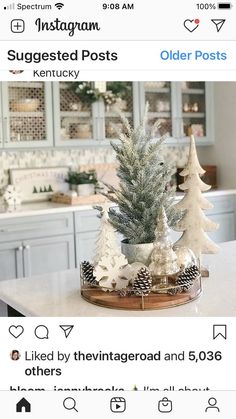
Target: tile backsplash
point(71, 158)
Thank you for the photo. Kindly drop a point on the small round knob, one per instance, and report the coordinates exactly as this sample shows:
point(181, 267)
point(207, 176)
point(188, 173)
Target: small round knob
point(27, 246)
point(20, 248)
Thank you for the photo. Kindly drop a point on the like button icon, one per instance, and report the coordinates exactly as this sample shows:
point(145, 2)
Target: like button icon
point(16, 331)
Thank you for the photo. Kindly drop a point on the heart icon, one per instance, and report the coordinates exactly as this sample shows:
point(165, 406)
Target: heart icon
point(16, 331)
point(191, 24)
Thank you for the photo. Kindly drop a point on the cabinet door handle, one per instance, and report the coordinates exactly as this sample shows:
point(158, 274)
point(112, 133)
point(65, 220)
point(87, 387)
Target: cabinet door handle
point(20, 248)
point(27, 247)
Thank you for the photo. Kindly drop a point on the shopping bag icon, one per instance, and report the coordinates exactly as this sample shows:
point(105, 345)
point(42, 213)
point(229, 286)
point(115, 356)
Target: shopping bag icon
point(165, 405)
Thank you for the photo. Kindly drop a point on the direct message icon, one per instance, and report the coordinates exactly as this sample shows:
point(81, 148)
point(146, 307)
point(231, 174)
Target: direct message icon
point(118, 404)
point(165, 405)
point(67, 329)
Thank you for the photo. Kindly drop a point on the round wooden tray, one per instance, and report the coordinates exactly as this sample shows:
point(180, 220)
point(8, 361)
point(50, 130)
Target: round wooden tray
point(151, 302)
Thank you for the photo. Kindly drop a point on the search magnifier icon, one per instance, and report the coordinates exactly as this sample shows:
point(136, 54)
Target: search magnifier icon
point(70, 404)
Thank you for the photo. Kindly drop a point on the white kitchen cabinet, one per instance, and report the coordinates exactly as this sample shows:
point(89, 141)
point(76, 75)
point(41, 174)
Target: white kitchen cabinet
point(87, 226)
point(178, 106)
point(76, 123)
point(20, 259)
point(11, 262)
point(226, 230)
point(222, 213)
point(85, 246)
point(26, 115)
point(48, 254)
point(35, 245)
point(37, 256)
point(11, 265)
point(181, 108)
point(46, 114)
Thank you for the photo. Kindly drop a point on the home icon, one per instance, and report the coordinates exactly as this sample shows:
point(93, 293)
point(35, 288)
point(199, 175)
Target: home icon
point(23, 406)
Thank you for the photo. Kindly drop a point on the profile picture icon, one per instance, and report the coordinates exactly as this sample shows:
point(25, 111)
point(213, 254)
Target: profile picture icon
point(16, 71)
point(15, 355)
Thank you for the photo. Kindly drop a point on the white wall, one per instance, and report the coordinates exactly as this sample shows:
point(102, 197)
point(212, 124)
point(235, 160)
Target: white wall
point(223, 153)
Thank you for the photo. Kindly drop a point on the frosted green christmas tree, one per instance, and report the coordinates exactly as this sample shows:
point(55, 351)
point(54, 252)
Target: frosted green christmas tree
point(144, 188)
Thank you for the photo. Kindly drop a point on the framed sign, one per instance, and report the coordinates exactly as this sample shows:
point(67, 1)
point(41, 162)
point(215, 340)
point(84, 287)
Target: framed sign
point(38, 184)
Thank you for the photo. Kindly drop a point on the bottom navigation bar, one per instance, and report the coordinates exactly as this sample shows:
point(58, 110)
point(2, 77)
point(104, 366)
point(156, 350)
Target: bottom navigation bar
point(131, 404)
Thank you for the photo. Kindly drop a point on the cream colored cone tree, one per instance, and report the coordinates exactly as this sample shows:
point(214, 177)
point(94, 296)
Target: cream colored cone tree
point(195, 224)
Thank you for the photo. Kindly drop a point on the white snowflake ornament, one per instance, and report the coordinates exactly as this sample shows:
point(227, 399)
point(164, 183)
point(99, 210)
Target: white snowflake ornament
point(130, 271)
point(108, 272)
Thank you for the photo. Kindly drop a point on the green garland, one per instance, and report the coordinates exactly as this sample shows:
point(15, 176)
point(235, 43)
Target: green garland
point(88, 94)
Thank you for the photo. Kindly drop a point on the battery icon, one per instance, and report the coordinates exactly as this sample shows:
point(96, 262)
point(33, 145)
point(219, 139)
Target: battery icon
point(224, 5)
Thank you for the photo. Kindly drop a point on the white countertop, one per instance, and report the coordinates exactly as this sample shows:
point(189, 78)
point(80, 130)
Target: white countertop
point(58, 294)
point(48, 207)
point(40, 208)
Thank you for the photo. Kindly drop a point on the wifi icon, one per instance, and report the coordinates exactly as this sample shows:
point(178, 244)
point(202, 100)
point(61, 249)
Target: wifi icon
point(59, 5)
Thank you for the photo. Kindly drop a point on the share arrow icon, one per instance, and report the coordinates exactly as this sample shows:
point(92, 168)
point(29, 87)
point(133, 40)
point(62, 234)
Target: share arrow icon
point(67, 329)
point(218, 23)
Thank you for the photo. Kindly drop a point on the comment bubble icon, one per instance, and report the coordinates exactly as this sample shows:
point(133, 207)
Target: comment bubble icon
point(41, 332)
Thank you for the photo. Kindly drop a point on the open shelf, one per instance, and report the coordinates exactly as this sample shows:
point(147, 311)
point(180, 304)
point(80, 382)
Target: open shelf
point(27, 114)
point(29, 85)
point(198, 115)
point(75, 114)
point(193, 91)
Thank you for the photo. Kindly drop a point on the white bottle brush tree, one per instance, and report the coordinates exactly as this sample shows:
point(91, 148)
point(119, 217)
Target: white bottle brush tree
point(106, 239)
point(194, 223)
point(108, 261)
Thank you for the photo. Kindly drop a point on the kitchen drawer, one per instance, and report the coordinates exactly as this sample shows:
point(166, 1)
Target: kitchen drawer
point(226, 231)
point(86, 221)
point(34, 227)
point(222, 204)
point(85, 247)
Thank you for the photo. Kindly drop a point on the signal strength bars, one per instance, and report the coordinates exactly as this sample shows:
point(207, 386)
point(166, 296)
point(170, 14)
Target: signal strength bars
point(9, 7)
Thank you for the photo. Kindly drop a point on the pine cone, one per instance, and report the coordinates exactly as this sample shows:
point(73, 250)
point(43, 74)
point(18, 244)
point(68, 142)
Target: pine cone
point(186, 278)
point(143, 282)
point(124, 292)
point(175, 290)
point(87, 272)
